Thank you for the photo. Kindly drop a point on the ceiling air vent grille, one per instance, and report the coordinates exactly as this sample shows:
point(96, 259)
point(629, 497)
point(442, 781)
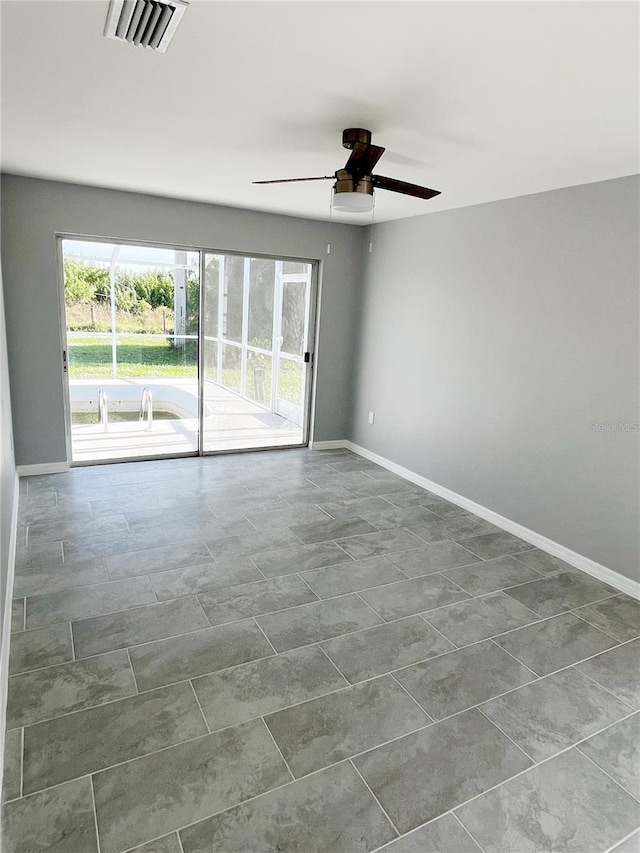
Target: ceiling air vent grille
point(144, 23)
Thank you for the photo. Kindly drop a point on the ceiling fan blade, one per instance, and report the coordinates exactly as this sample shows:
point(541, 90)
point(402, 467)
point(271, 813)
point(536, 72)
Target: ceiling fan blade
point(292, 180)
point(363, 159)
point(403, 187)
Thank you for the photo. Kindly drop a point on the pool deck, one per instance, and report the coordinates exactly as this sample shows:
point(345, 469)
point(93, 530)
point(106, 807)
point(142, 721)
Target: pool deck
point(231, 423)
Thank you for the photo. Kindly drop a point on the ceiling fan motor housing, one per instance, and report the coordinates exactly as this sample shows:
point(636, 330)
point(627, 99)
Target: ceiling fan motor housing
point(355, 134)
point(346, 183)
point(351, 195)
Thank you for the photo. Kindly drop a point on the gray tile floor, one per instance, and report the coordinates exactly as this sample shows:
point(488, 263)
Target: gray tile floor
point(299, 651)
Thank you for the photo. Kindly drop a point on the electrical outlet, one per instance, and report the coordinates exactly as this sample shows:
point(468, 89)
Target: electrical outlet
point(372, 417)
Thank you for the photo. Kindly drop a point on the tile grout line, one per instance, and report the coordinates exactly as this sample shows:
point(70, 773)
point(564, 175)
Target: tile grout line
point(413, 699)
point(426, 613)
point(73, 648)
point(441, 572)
point(264, 634)
point(617, 844)
point(370, 607)
point(22, 737)
point(308, 585)
point(135, 681)
point(201, 609)
point(539, 572)
point(519, 662)
point(539, 620)
point(486, 595)
point(602, 686)
point(555, 577)
point(406, 835)
point(468, 831)
point(382, 808)
point(334, 665)
point(95, 812)
point(391, 563)
point(251, 560)
point(593, 625)
point(570, 610)
point(92, 586)
point(277, 746)
point(606, 773)
point(195, 696)
point(508, 737)
point(456, 647)
point(153, 590)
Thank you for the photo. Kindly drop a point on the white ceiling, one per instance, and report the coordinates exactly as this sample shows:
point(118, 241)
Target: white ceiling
point(482, 101)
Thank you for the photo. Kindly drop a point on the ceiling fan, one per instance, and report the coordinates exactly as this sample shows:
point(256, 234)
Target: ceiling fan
point(355, 183)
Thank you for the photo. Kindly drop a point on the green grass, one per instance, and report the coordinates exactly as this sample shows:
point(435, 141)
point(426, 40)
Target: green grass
point(148, 357)
point(90, 357)
point(96, 317)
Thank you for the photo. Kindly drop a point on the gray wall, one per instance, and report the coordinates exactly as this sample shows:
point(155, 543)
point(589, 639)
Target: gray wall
point(7, 467)
point(34, 210)
point(491, 337)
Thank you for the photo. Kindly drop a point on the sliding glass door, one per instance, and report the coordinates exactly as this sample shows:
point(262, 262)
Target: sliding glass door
point(256, 359)
point(158, 368)
point(131, 350)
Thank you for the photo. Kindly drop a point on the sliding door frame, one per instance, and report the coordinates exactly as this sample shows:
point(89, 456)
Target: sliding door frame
point(311, 330)
point(311, 323)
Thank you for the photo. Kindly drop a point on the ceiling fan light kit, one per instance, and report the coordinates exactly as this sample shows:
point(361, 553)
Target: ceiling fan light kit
point(351, 196)
point(355, 183)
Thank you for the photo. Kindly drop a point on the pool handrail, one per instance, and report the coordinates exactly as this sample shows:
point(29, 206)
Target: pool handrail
point(103, 410)
point(146, 402)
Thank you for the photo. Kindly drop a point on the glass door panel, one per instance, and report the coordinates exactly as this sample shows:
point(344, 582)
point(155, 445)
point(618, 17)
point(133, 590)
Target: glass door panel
point(132, 344)
point(256, 321)
point(292, 369)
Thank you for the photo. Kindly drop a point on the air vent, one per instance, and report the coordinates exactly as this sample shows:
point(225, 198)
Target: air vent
point(144, 23)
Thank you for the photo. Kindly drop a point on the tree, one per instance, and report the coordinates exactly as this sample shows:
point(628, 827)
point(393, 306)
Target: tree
point(134, 291)
point(82, 281)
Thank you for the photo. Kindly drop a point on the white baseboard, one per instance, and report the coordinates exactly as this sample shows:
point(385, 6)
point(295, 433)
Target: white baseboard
point(579, 561)
point(42, 468)
point(328, 445)
point(6, 624)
